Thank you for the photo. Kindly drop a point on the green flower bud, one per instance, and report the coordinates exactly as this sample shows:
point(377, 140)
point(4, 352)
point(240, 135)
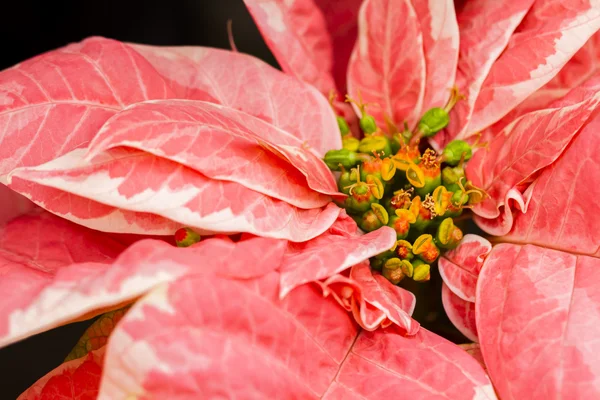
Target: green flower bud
point(425, 248)
point(370, 221)
point(360, 198)
point(448, 236)
point(185, 237)
point(396, 142)
point(458, 198)
point(380, 259)
point(392, 270)
point(350, 143)
point(403, 250)
point(381, 213)
point(343, 125)
point(376, 143)
point(431, 183)
point(421, 271)
point(456, 151)
point(371, 167)
point(367, 124)
point(451, 176)
point(377, 187)
point(433, 121)
point(407, 268)
point(347, 158)
point(388, 169)
point(400, 222)
point(347, 179)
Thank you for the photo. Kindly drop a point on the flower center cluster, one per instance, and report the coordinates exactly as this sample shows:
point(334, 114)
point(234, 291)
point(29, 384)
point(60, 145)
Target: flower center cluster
point(393, 179)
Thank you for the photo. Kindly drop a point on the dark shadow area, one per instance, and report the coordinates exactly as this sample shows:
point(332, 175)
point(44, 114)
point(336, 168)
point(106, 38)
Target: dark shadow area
point(25, 362)
point(32, 27)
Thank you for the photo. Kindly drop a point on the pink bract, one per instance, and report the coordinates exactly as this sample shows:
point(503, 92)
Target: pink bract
point(225, 352)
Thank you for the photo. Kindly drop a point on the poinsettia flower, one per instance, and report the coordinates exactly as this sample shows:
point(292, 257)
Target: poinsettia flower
point(529, 73)
point(120, 152)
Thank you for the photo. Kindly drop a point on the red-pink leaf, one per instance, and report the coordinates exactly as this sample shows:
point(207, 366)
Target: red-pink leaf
point(537, 317)
point(564, 212)
point(460, 312)
point(372, 299)
point(250, 85)
point(331, 253)
point(68, 273)
point(387, 66)
point(311, 39)
point(56, 102)
point(460, 267)
point(384, 365)
point(238, 339)
point(485, 28)
point(222, 143)
point(582, 66)
point(230, 337)
point(77, 379)
point(137, 181)
point(550, 34)
point(440, 45)
point(524, 147)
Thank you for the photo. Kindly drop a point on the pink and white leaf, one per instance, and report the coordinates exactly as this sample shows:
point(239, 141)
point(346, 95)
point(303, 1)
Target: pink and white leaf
point(524, 147)
point(582, 66)
point(222, 143)
point(440, 46)
point(372, 299)
point(57, 102)
point(549, 35)
point(387, 66)
point(537, 316)
point(72, 273)
point(485, 28)
point(564, 212)
point(460, 312)
point(311, 40)
point(77, 379)
point(91, 213)
point(384, 364)
point(460, 267)
point(304, 346)
point(329, 254)
point(140, 182)
point(33, 251)
point(250, 85)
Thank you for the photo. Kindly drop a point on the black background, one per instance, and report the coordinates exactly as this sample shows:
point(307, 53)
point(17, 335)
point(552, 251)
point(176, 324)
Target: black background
point(32, 27)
